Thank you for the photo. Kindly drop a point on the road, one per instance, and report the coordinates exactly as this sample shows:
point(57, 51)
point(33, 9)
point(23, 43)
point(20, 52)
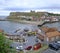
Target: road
point(51, 51)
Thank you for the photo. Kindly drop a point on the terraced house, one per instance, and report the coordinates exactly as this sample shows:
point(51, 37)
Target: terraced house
point(49, 34)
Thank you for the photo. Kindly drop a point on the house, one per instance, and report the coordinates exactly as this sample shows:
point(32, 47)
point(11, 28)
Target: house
point(49, 34)
point(36, 19)
point(47, 19)
point(44, 29)
point(40, 36)
point(54, 19)
point(42, 17)
point(47, 29)
point(25, 17)
point(52, 36)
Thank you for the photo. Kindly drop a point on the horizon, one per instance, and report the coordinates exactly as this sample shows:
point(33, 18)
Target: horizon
point(7, 6)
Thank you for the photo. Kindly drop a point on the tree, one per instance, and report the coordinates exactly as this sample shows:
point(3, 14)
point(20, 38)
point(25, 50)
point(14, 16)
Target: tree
point(5, 45)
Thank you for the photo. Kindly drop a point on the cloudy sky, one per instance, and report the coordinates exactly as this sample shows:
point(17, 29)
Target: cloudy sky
point(6, 6)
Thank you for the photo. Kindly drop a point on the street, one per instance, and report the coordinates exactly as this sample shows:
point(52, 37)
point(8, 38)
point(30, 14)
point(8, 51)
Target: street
point(51, 51)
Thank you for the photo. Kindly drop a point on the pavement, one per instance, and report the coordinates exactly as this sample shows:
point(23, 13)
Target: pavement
point(51, 51)
point(30, 41)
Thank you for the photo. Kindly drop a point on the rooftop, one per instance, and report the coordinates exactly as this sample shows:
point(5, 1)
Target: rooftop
point(47, 29)
point(53, 34)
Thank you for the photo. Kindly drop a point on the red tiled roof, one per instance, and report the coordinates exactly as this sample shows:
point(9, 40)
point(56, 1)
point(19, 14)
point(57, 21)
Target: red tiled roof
point(46, 29)
point(53, 34)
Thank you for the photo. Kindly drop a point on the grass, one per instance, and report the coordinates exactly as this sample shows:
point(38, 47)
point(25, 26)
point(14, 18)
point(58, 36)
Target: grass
point(21, 52)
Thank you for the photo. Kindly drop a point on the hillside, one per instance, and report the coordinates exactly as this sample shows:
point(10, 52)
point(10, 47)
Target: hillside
point(14, 15)
point(19, 15)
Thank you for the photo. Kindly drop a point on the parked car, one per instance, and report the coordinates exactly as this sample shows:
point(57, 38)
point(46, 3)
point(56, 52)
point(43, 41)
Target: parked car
point(37, 46)
point(28, 48)
point(58, 43)
point(19, 48)
point(55, 45)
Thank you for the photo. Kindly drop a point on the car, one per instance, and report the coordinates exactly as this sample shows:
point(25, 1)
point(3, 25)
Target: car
point(28, 48)
point(19, 48)
point(58, 43)
point(54, 45)
point(37, 46)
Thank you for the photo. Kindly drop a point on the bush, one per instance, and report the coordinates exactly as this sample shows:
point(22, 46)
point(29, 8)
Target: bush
point(5, 45)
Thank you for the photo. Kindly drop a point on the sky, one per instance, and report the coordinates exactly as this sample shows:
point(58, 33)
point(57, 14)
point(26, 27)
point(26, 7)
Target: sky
point(7, 6)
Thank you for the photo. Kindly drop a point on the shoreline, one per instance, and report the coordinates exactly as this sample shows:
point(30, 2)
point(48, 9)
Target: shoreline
point(39, 23)
point(26, 22)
